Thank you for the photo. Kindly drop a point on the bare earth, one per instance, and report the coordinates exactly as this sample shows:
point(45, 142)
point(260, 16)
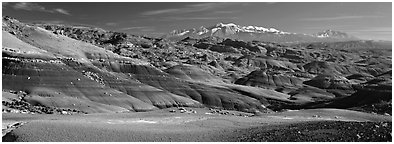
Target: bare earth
point(164, 126)
point(67, 83)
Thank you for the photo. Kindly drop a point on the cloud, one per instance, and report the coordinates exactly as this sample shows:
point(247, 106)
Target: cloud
point(156, 12)
point(226, 12)
point(200, 18)
point(338, 18)
point(28, 6)
point(59, 10)
point(188, 8)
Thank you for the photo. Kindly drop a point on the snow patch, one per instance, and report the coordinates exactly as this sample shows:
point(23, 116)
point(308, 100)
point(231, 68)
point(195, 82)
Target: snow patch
point(226, 25)
point(183, 33)
point(214, 30)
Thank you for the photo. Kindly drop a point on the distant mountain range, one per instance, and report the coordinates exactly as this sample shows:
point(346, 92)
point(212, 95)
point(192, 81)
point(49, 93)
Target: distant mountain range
point(249, 33)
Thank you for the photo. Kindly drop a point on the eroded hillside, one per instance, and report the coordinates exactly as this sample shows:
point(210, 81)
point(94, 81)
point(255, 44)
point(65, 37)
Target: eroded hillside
point(92, 70)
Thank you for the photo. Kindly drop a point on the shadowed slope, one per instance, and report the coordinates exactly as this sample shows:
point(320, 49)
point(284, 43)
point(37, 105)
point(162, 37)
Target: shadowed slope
point(78, 75)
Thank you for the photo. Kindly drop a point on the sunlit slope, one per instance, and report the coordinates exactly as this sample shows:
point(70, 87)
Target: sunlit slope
point(58, 71)
point(50, 81)
point(61, 74)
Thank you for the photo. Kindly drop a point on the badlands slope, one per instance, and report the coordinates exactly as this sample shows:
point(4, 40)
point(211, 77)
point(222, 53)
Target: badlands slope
point(91, 70)
point(65, 83)
point(57, 71)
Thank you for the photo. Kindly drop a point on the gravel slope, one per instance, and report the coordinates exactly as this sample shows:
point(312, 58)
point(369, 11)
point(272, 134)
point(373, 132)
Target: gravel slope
point(322, 131)
point(201, 126)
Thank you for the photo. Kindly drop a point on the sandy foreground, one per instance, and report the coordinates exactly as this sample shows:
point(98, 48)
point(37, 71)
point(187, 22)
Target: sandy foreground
point(164, 126)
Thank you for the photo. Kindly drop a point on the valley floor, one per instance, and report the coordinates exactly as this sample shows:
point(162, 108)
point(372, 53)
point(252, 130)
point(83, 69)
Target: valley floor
point(198, 125)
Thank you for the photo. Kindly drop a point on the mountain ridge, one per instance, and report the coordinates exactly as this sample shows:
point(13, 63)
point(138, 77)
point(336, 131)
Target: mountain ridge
point(249, 33)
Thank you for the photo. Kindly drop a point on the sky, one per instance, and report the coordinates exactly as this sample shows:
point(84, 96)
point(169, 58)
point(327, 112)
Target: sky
point(364, 20)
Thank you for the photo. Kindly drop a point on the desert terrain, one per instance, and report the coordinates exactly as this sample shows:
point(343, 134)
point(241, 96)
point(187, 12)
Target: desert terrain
point(67, 83)
point(205, 125)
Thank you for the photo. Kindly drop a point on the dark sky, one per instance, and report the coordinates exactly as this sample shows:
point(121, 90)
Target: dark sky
point(363, 20)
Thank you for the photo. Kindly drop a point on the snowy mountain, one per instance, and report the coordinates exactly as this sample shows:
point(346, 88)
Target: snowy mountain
point(249, 33)
point(334, 34)
point(227, 29)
